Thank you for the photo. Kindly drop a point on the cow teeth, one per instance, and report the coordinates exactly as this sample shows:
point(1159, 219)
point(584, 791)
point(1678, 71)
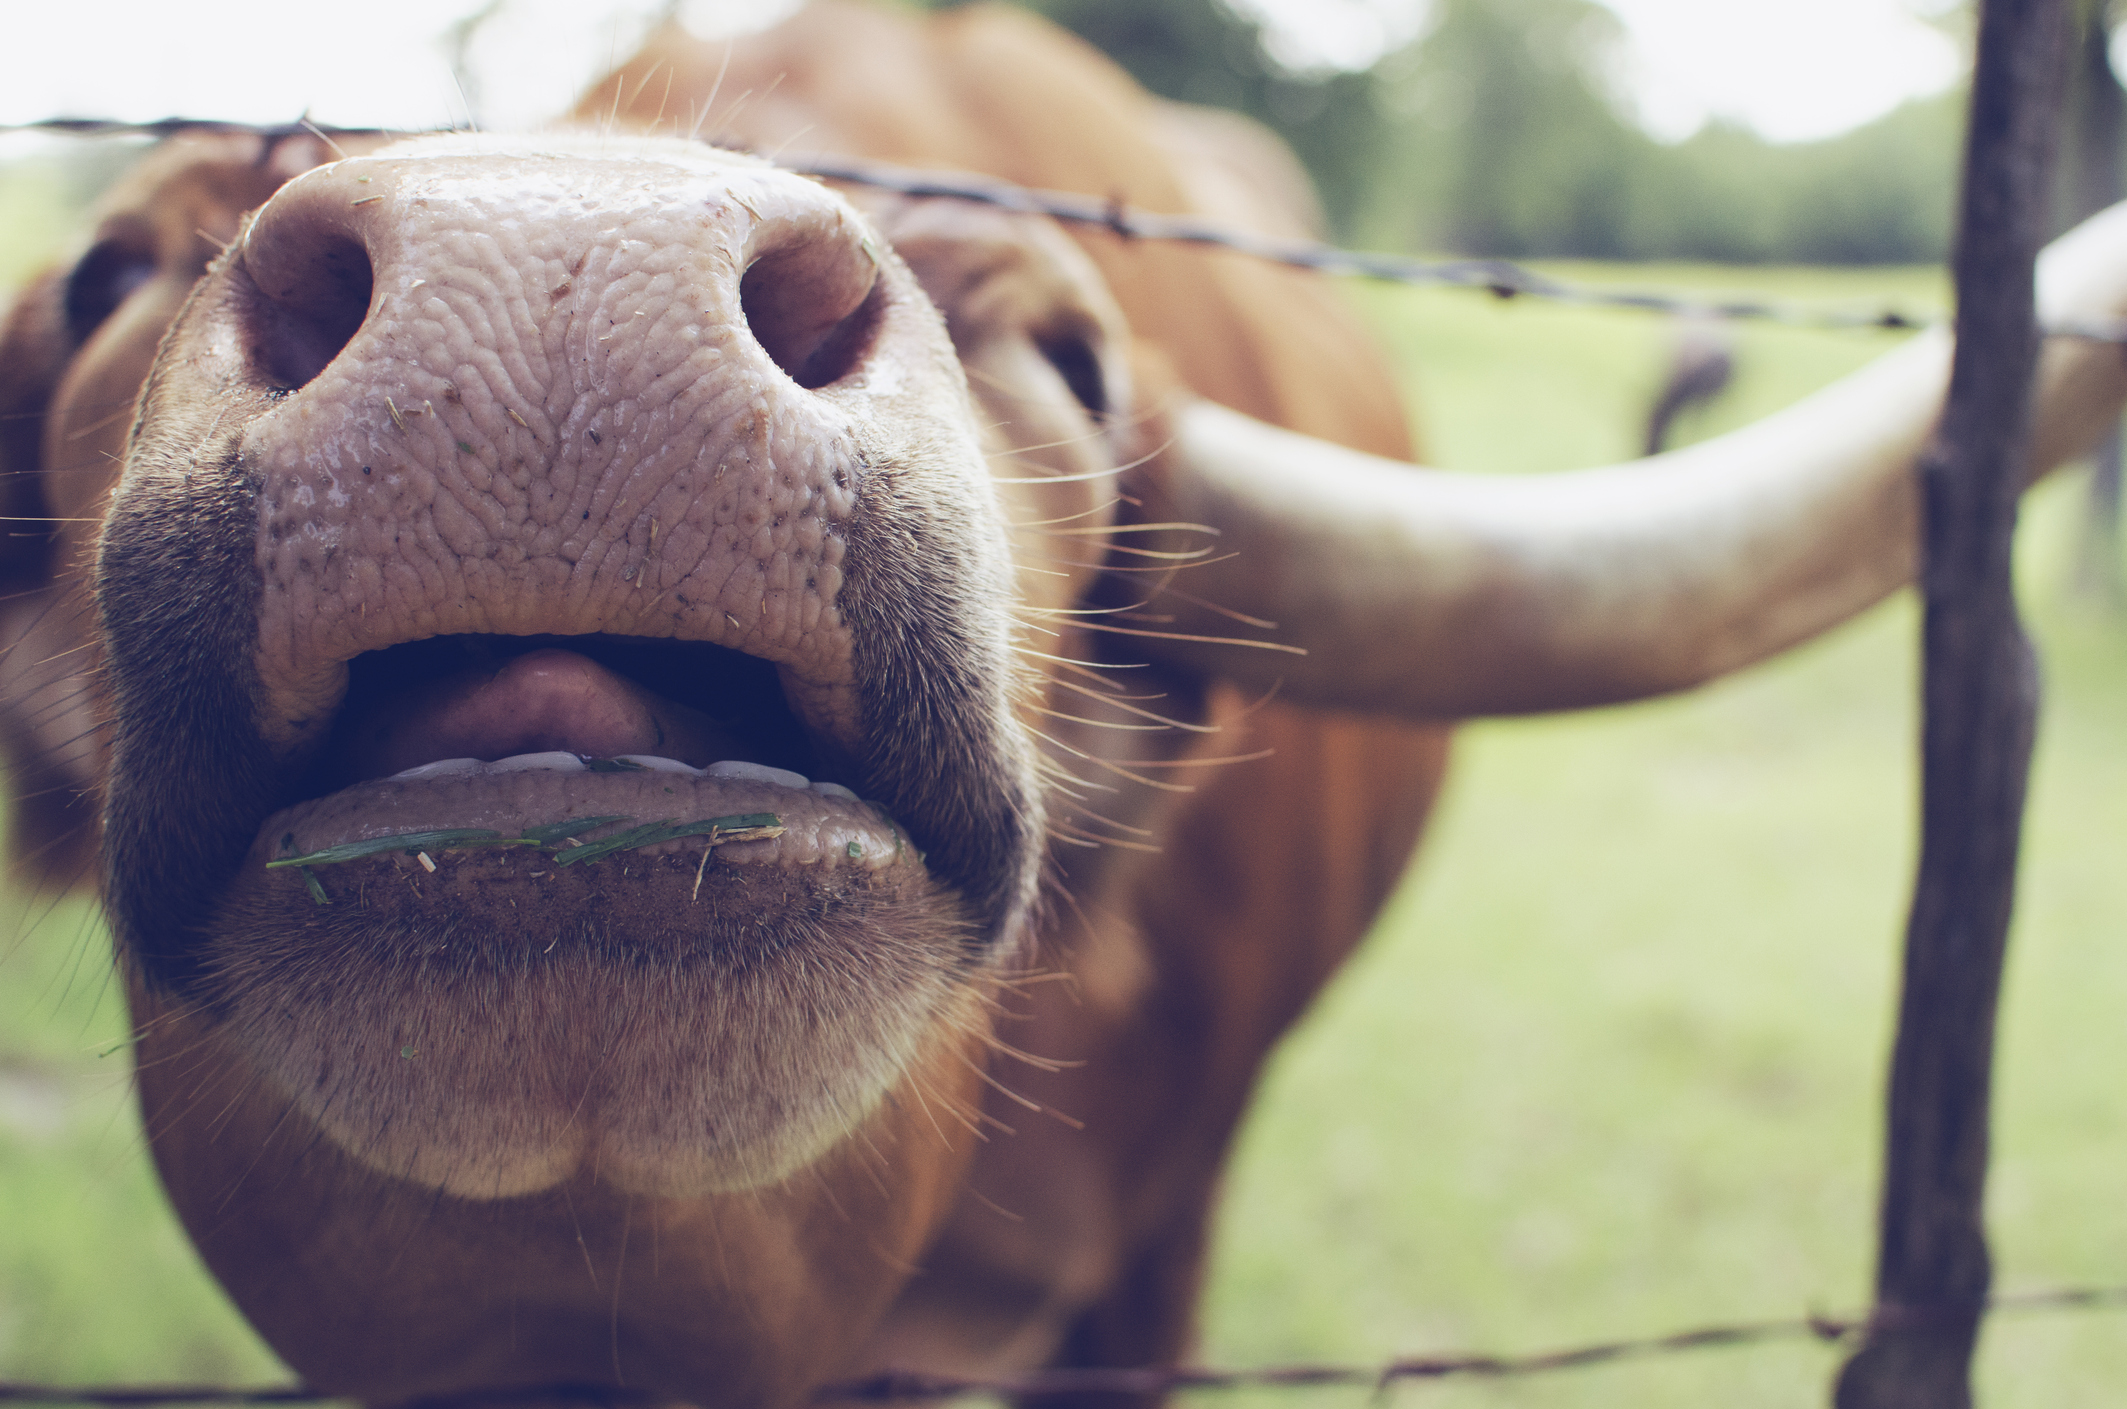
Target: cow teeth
point(441, 768)
point(835, 790)
point(657, 765)
point(756, 772)
point(526, 762)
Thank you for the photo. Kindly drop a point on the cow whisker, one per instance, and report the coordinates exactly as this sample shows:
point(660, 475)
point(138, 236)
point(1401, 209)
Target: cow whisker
point(1048, 713)
point(1135, 528)
point(1083, 664)
point(1058, 788)
point(1024, 610)
point(1127, 708)
point(83, 432)
point(1064, 834)
point(1100, 508)
point(1154, 568)
point(1106, 472)
point(1114, 768)
point(1227, 612)
point(739, 103)
point(1086, 814)
point(1278, 646)
point(716, 86)
point(1105, 682)
point(322, 135)
point(1164, 555)
point(1228, 760)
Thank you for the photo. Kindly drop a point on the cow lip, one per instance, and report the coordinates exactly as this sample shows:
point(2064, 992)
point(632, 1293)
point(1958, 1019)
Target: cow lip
point(523, 816)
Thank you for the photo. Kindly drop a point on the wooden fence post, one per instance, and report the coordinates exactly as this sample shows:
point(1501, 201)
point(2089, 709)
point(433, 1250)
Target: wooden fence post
point(1980, 697)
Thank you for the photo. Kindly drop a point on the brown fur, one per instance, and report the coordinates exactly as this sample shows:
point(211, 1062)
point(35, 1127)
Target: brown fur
point(1075, 1239)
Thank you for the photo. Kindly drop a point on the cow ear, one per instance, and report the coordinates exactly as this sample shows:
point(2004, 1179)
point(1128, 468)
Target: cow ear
point(48, 734)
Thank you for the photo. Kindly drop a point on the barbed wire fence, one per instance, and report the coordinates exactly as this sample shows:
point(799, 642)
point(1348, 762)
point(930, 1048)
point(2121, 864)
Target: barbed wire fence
point(1913, 1348)
point(910, 1386)
point(1501, 278)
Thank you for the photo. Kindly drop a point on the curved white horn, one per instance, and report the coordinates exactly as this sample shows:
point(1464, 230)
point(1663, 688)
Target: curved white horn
point(1427, 594)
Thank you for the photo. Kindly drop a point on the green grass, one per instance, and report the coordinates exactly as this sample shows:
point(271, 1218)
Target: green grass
point(97, 1282)
point(1612, 1064)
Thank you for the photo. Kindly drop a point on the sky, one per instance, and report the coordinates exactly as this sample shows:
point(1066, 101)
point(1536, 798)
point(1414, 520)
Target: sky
point(1791, 69)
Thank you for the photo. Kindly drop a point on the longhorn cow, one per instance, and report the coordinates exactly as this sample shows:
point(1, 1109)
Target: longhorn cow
point(603, 676)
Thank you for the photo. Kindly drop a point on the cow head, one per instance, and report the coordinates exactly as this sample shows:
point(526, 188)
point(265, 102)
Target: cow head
point(491, 487)
point(553, 492)
point(587, 650)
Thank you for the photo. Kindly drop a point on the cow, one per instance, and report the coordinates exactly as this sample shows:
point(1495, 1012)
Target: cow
point(706, 783)
point(1702, 361)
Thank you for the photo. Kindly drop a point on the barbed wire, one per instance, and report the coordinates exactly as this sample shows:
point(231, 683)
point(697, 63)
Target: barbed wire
point(1503, 279)
point(1152, 1380)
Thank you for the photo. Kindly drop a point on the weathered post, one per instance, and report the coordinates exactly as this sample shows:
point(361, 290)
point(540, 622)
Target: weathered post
point(1980, 696)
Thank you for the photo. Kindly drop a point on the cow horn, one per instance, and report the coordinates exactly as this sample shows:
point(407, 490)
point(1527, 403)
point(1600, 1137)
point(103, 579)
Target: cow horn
point(1435, 595)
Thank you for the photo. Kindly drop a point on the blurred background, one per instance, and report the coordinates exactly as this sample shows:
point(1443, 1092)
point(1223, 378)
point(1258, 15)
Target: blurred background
point(1612, 1064)
point(1817, 130)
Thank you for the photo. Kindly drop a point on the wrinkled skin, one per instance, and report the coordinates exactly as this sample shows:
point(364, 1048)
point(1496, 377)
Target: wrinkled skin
point(494, 449)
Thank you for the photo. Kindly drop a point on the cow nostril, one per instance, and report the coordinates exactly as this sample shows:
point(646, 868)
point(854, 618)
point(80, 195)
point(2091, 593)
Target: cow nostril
point(813, 308)
point(312, 307)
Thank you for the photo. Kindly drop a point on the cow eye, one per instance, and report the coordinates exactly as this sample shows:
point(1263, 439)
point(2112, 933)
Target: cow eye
point(102, 280)
point(1078, 364)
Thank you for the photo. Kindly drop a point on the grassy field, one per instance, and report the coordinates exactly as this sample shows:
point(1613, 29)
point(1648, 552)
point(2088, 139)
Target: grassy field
point(1612, 1064)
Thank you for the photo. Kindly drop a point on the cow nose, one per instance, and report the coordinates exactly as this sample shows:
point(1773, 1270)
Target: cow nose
point(594, 390)
point(805, 286)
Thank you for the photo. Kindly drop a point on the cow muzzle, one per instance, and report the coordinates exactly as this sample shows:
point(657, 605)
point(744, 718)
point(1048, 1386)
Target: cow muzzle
point(553, 545)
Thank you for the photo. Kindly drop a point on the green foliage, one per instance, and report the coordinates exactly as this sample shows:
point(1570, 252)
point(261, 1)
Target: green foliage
point(1881, 194)
point(1500, 132)
point(1510, 141)
point(1201, 51)
point(1509, 146)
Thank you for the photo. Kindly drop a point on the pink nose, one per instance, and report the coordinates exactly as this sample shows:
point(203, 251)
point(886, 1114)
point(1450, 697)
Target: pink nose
point(770, 253)
point(632, 391)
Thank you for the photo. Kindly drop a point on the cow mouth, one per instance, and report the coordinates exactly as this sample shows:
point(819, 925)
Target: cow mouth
point(493, 697)
point(546, 750)
point(527, 879)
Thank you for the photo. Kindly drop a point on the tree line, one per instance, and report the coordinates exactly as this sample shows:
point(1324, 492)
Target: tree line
point(1498, 133)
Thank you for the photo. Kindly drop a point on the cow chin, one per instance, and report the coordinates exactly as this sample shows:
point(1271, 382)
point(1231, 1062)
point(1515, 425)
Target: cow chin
point(671, 1035)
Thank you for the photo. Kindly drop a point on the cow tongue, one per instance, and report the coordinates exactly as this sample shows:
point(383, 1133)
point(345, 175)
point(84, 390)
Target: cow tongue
point(545, 701)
